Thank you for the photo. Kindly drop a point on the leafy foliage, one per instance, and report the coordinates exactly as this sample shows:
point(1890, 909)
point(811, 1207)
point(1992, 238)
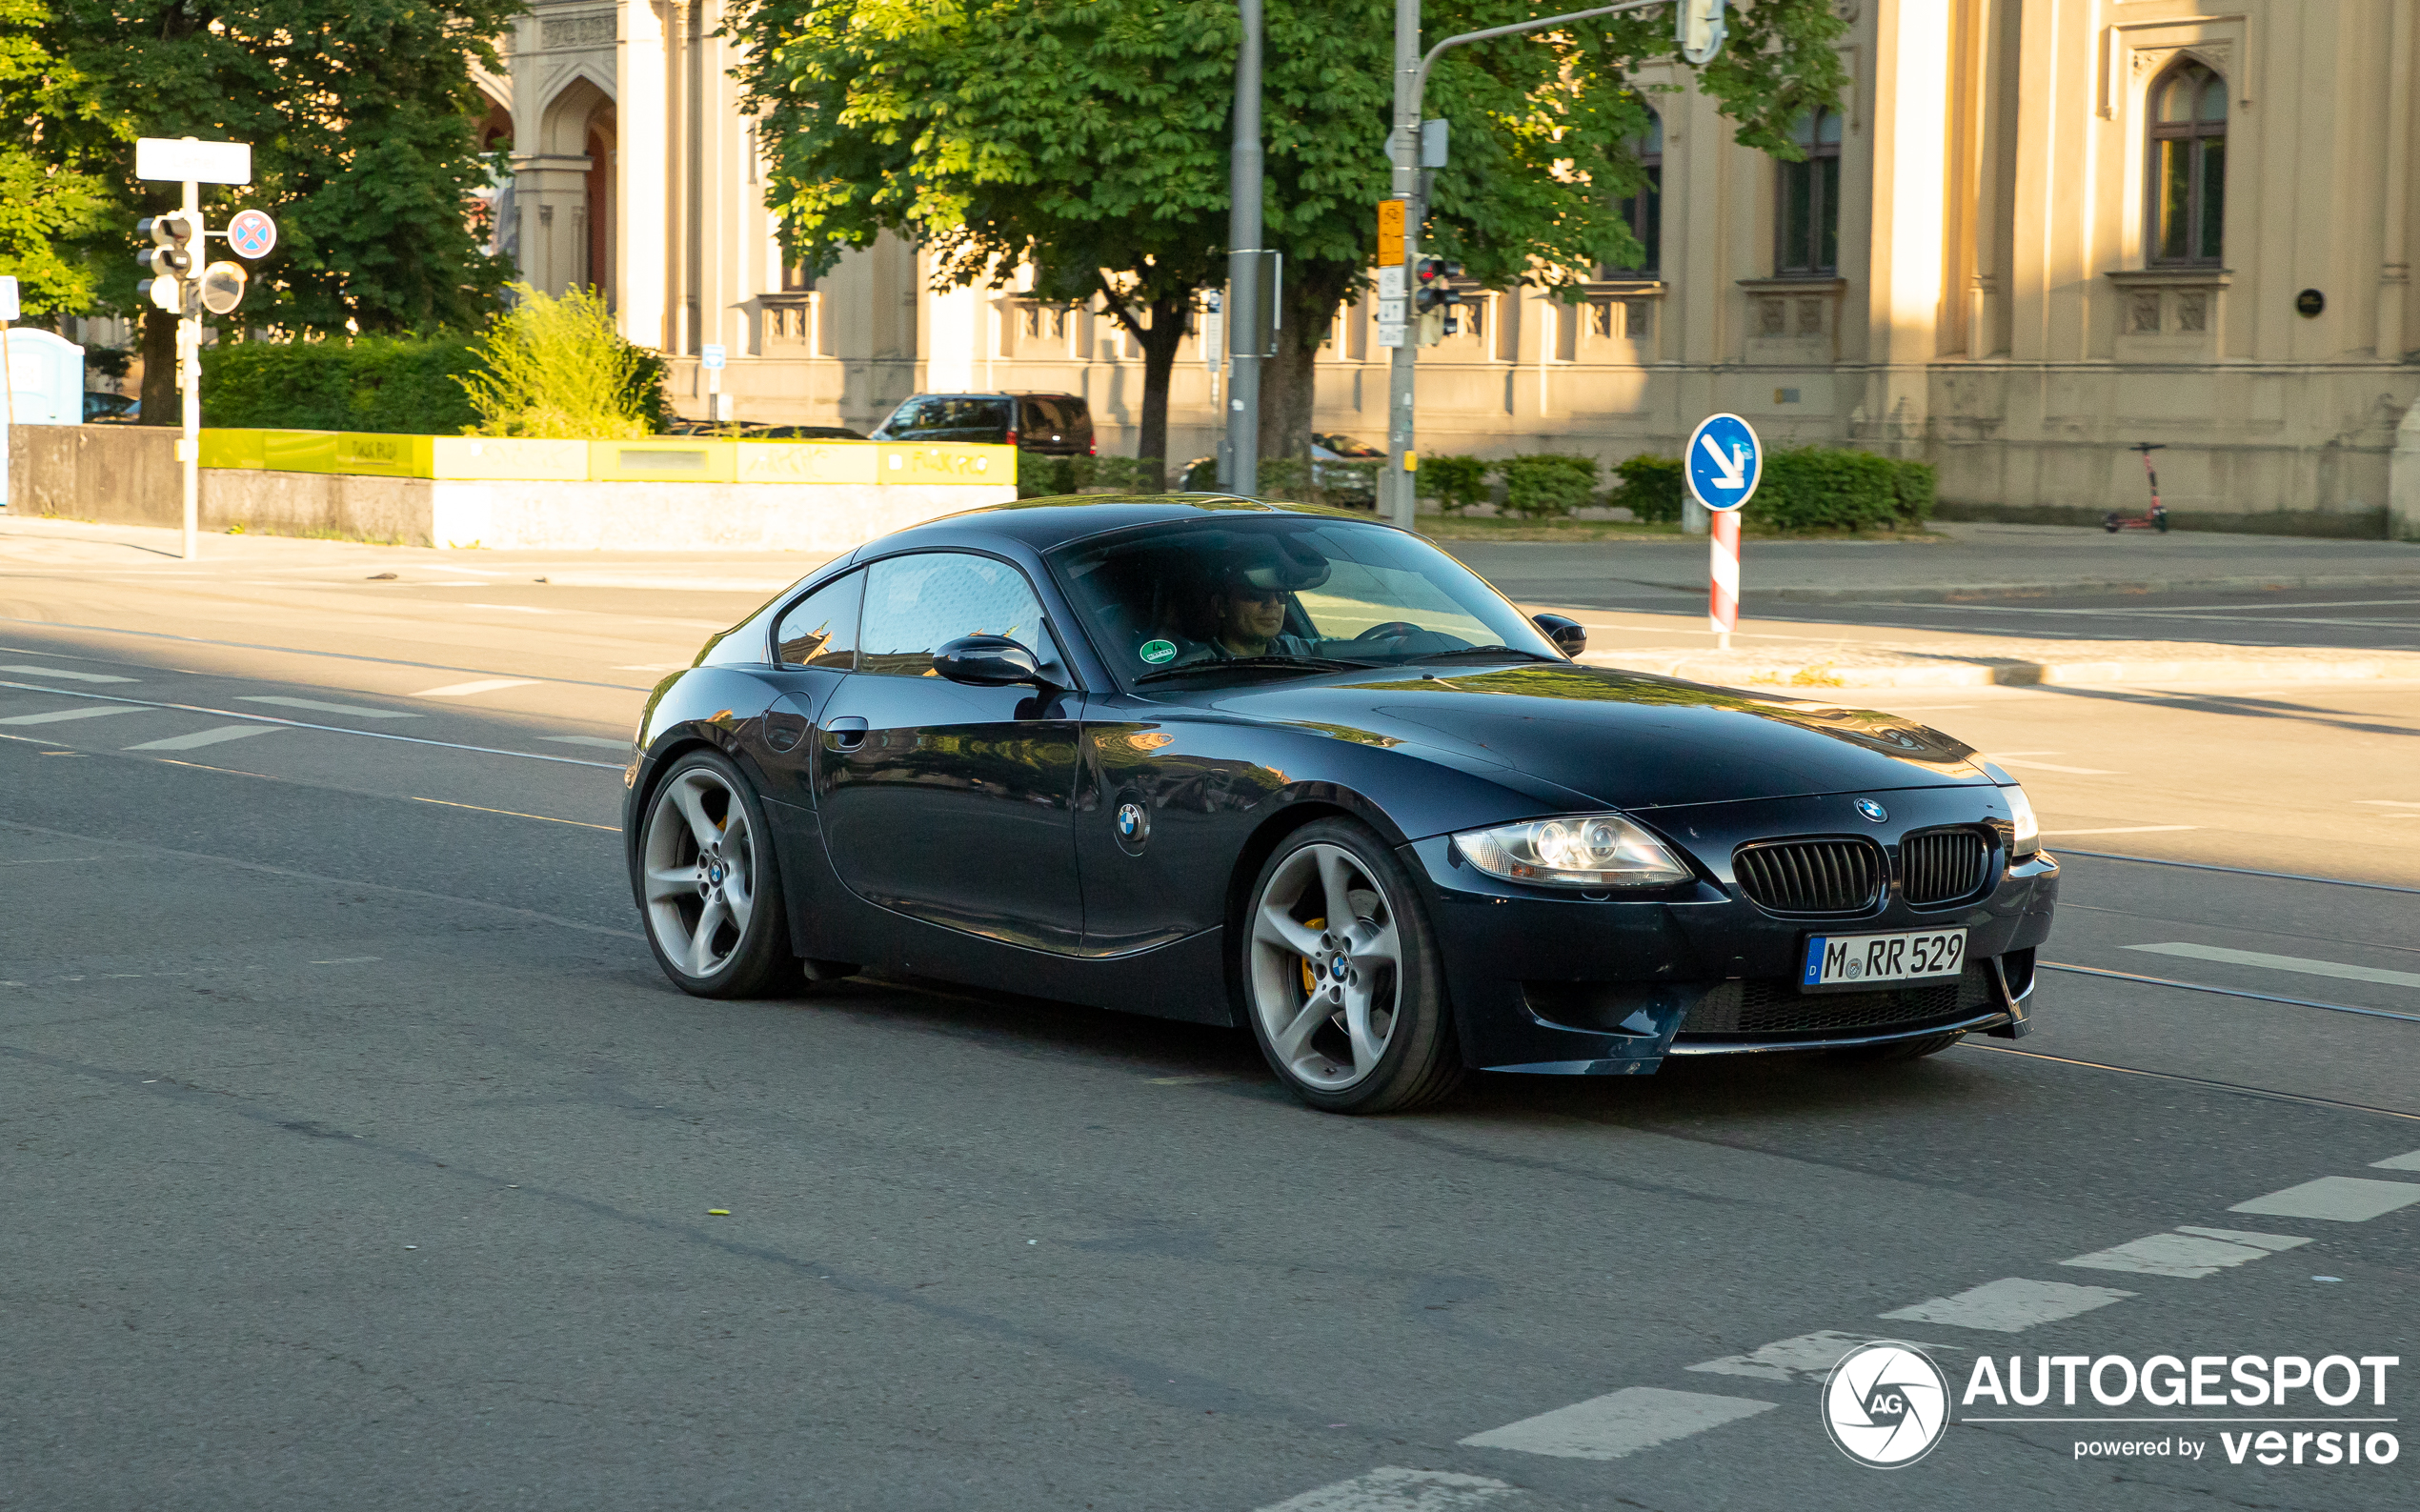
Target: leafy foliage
point(371, 383)
point(47, 204)
point(1652, 488)
point(1090, 137)
point(1456, 483)
point(1548, 482)
point(1828, 488)
point(557, 369)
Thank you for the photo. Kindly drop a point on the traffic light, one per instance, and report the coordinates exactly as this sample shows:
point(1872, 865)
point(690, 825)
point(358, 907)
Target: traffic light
point(1434, 300)
point(169, 259)
point(1699, 27)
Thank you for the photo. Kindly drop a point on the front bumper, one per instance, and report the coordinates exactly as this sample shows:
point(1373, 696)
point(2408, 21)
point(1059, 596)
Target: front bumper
point(1565, 983)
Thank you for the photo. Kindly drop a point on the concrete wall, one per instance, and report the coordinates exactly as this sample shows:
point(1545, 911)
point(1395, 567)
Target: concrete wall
point(128, 476)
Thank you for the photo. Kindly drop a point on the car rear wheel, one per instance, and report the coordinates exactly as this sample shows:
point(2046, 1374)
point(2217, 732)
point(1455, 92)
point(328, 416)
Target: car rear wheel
point(708, 884)
point(1343, 989)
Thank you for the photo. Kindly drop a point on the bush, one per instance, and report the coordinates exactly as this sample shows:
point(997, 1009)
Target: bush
point(1823, 488)
point(1548, 483)
point(1914, 490)
point(557, 369)
point(1456, 483)
point(1652, 488)
point(400, 385)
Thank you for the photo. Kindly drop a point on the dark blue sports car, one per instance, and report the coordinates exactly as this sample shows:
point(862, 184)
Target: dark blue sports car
point(1283, 767)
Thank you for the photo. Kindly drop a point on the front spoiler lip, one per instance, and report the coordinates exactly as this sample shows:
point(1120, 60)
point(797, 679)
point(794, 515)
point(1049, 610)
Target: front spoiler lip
point(1996, 1019)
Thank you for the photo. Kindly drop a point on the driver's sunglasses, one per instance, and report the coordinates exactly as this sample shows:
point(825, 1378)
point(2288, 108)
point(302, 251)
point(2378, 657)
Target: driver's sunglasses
point(1259, 595)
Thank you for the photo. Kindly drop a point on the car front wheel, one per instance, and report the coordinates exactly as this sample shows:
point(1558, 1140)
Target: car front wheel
point(708, 884)
point(1340, 976)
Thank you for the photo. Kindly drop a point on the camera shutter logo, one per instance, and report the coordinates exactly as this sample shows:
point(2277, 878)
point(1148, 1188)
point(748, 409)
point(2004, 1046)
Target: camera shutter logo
point(1887, 1404)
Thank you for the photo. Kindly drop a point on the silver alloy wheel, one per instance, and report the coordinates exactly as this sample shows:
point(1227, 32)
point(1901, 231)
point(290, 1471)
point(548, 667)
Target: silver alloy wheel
point(1327, 992)
point(700, 865)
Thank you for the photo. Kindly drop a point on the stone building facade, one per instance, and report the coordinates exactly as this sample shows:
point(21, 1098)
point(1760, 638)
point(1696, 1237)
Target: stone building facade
point(2034, 232)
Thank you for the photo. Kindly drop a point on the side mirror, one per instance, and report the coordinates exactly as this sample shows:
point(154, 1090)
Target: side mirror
point(1567, 635)
point(989, 662)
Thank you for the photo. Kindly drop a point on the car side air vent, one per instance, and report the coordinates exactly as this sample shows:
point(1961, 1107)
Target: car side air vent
point(1939, 867)
point(1810, 877)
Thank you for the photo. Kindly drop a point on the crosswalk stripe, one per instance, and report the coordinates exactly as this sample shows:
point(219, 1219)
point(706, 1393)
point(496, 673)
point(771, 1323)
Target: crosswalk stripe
point(601, 742)
point(463, 690)
point(358, 711)
point(1788, 1362)
point(2009, 1305)
point(1391, 1489)
point(2340, 1198)
point(1619, 1424)
point(2190, 1253)
point(62, 672)
point(202, 738)
point(2301, 964)
point(95, 711)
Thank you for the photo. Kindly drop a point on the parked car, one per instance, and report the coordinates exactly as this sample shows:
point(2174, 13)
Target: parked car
point(1341, 485)
point(801, 432)
point(1053, 424)
point(1308, 776)
point(101, 407)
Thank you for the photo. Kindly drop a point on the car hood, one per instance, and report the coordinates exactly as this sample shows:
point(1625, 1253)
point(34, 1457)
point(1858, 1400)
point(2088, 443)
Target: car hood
point(1623, 739)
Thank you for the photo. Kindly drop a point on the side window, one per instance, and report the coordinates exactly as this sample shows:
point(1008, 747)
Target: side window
point(821, 628)
point(914, 605)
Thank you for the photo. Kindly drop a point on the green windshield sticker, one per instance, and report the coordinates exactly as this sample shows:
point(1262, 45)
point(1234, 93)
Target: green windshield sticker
point(1155, 651)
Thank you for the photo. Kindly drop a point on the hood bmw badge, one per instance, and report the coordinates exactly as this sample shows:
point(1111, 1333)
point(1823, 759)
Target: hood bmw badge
point(1872, 810)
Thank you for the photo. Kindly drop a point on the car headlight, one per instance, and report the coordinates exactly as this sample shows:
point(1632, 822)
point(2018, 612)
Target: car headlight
point(1580, 850)
point(2028, 840)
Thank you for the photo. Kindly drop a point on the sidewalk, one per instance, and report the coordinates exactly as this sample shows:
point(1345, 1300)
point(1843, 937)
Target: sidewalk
point(1976, 560)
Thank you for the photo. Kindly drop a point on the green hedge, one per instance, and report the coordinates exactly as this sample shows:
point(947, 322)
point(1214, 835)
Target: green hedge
point(1041, 476)
point(401, 385)
point(1812, 488)
point(1456, 483)
point(1546, 483)
point(1652, 488)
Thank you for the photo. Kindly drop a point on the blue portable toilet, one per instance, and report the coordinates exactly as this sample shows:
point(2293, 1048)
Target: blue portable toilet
point(46, 377)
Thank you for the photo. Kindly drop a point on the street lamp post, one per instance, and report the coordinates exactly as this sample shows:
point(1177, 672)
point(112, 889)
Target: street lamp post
point(1240, 467)
point(1698, 25)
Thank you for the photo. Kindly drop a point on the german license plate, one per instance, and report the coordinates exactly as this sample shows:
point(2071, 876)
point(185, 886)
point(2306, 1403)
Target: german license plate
point(1865, 960)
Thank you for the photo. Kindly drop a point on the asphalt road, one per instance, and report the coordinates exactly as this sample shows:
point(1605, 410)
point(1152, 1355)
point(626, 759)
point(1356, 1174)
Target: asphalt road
point(358, 1156)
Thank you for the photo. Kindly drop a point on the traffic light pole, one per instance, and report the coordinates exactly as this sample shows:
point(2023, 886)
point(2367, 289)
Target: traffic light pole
point(1698, 20)
point(189, 374)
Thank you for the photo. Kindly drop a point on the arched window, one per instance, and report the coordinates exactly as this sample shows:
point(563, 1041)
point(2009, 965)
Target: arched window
point(1643, 211)
point(1809, 217)
point(2187, 172)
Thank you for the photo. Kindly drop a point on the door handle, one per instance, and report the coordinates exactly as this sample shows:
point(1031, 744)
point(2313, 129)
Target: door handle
point(846, 733)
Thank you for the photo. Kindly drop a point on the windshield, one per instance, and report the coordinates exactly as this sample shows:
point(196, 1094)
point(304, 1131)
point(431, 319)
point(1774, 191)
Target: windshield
point(1245, 595)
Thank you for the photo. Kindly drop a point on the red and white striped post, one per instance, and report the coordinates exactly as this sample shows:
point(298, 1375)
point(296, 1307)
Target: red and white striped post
point(1723, 592)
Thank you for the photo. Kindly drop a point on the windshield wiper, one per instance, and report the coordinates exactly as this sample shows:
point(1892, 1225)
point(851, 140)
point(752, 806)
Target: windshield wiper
point(1255, 664)
point(1486, 651)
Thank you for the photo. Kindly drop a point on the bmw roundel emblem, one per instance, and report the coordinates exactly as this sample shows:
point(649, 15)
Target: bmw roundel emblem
point(1133, 822)
point(1872, 810)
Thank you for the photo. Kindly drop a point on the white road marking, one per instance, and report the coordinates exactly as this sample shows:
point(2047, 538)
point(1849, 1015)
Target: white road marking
point(2293, 963)
point(2189, 1253)
point(2339, 1198)
point(202, 738)
point(1621, 1422)
point(601, 742)
point(355, 709)
point(656, 666)
point(61, 716)
point(2388, 803)
point(2398, 1162)
point(2010, 1305)
point(1391, 1489)
point(516, 609)
point(2049, 766)
point(2127, 829)
point(463, 690)
point(72, 676)
point(1807, 1358)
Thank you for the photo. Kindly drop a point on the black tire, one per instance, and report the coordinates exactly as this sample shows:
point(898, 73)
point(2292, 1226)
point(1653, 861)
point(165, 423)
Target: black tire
point(681, 879)
point(2110, 523)
point(1291, 962)
point(2161, 521)
point(1896, 1052)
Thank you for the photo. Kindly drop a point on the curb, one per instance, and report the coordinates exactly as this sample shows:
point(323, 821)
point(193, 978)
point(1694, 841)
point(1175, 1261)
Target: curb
point(1956, 592)
point(2010, 673)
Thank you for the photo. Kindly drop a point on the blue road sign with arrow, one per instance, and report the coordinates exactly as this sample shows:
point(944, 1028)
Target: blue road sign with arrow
point(1725, 460)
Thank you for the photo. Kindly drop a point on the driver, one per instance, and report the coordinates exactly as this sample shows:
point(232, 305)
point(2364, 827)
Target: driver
point(1249, 600)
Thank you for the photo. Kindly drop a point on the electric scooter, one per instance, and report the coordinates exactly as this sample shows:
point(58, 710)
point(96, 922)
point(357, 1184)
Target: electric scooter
point(2156, 517)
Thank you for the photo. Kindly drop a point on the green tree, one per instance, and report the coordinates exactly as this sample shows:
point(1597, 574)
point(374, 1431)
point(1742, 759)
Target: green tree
point(1093, 134)
point(48, 205)
point(360, 115)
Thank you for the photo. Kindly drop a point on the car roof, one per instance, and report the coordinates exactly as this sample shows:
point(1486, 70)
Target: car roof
point(1043, 524)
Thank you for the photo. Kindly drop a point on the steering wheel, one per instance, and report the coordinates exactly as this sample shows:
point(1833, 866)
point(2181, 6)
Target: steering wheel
point(1393, 628)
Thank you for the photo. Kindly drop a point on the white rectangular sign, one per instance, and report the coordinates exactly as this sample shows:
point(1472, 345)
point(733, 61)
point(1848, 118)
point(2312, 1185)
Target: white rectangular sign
point(177, 159)
point(1390, 312)
point(711, 354)
point(1390, 333)
point(7, 296)
point(1390, 282)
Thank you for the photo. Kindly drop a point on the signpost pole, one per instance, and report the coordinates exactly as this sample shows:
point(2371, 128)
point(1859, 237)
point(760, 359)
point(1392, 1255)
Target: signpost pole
point(1245, 326)
point(1723, 580)
point(1398, 495)
point(188, 378)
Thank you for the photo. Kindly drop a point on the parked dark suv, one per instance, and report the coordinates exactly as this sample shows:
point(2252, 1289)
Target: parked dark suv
point(1054, 423)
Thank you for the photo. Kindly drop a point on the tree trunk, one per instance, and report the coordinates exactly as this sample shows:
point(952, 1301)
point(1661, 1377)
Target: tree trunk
point(1160, 344)
point(1288, 380)
point(159, 369)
